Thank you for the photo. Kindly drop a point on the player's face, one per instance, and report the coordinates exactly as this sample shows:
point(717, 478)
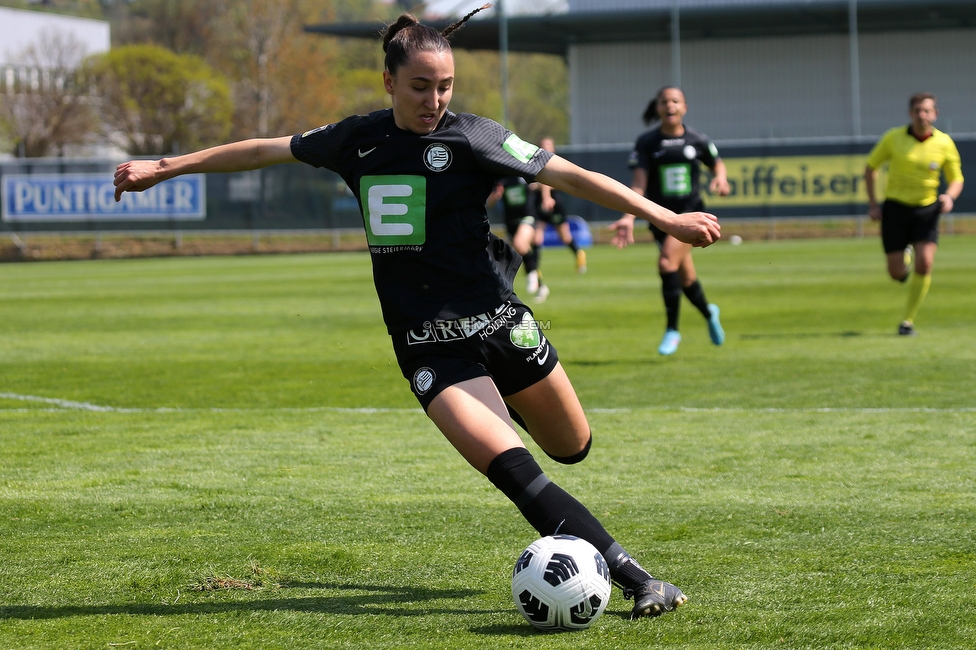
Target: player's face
point(421, 90)
point(671, 107)
point(923, 116)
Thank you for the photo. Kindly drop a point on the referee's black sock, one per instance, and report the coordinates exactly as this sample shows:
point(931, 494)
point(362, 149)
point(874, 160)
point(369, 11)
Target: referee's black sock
point(550, 509)
point(671, 291)
point(696, 295)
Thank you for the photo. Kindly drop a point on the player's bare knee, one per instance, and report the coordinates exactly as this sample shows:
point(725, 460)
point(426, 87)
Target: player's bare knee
point(574, 458)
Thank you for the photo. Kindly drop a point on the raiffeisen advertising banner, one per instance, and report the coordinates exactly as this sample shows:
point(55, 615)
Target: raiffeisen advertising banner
point(91, 197)
point(793, 181)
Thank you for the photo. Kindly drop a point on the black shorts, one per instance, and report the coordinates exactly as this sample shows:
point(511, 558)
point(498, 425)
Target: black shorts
point(902, 224)
point(512, 225)
point(554, 218)
point(690, 204)
point(506, 344)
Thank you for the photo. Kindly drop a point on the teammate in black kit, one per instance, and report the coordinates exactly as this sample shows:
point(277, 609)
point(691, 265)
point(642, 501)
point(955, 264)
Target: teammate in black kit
point(470, 349)
point(667, 164)
point(549, 209)
point(520, 222)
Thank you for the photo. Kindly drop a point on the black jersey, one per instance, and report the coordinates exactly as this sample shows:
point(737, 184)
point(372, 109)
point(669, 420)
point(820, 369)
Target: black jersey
point(673, 167)
point(422, 198)
point(515, 199)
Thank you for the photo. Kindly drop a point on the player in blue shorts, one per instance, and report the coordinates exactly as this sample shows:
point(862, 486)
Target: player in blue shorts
point(469, 348)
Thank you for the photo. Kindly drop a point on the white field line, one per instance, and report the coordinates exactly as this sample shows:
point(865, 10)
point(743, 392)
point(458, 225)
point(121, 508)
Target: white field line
point(62, 405)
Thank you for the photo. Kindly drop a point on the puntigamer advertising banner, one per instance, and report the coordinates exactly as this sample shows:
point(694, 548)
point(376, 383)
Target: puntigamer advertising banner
point(91, 197)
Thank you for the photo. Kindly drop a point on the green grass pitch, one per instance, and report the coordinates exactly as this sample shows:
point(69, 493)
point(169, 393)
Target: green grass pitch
point(221, 453)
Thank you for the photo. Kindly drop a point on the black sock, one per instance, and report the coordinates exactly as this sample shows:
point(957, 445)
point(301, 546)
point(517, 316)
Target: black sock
point(537, 253)
point(624, 570)
point(671, 291)
point(545, 505)
point(696, 295)
point(529, 260)
point(550, 509)
point(572, 246)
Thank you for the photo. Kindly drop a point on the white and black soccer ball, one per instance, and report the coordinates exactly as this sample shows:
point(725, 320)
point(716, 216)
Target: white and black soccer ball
point(561, 583)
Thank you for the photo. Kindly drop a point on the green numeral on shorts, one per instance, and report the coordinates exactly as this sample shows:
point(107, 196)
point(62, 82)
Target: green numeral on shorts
point(394, 210)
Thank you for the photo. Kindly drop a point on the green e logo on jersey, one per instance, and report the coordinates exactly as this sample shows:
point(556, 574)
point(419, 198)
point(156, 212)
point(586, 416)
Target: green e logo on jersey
point(394, 209)
point(676, 179)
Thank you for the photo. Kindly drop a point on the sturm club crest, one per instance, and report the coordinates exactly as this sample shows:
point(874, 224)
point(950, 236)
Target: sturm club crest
point(438, 157)
point(423, 379)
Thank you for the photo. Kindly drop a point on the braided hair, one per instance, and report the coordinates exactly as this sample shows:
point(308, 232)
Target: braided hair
point(407, 35)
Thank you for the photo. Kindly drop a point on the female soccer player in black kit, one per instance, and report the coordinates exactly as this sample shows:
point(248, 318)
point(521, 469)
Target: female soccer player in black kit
point(666, 162)
point(469, 348)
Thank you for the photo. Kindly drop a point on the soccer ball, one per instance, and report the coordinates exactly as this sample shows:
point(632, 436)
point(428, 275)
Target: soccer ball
point(561, 583)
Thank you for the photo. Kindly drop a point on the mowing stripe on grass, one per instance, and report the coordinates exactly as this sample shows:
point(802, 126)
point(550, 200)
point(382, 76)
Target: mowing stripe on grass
point(68, 405)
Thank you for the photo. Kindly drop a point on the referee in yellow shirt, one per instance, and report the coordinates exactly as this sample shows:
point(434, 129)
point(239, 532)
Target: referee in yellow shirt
point(917, 156)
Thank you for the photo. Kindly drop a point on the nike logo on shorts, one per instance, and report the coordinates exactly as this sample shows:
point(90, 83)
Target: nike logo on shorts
point(541, 360)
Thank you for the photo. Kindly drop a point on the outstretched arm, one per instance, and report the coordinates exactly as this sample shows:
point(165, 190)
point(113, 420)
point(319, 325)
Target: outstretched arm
point(139, 175)
point(695, 228)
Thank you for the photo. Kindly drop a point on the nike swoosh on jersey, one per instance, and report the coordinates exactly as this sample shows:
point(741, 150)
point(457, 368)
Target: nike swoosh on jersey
point(363, 154)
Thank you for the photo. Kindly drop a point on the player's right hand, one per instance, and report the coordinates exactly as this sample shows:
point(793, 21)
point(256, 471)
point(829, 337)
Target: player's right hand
point(136, 176)
point(699, 229)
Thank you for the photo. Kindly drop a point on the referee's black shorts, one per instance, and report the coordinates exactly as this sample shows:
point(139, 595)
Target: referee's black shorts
point(505, 344)
point(902, 224)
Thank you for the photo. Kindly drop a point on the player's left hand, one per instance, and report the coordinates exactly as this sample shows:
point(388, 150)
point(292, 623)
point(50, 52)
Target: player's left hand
point(719, 186)
point(624, 229)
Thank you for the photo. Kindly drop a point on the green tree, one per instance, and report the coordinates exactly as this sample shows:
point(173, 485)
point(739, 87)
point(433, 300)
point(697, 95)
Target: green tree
point(183, 26)
point(282, 79)
point(156, 102)
point(539, 97)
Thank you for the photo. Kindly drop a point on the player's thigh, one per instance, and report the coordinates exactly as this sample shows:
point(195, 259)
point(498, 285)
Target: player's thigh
point(565, 233)
point(473, 418)
point(522, 239)
point(553, 414)
point(673, 254)
point(540, 232)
